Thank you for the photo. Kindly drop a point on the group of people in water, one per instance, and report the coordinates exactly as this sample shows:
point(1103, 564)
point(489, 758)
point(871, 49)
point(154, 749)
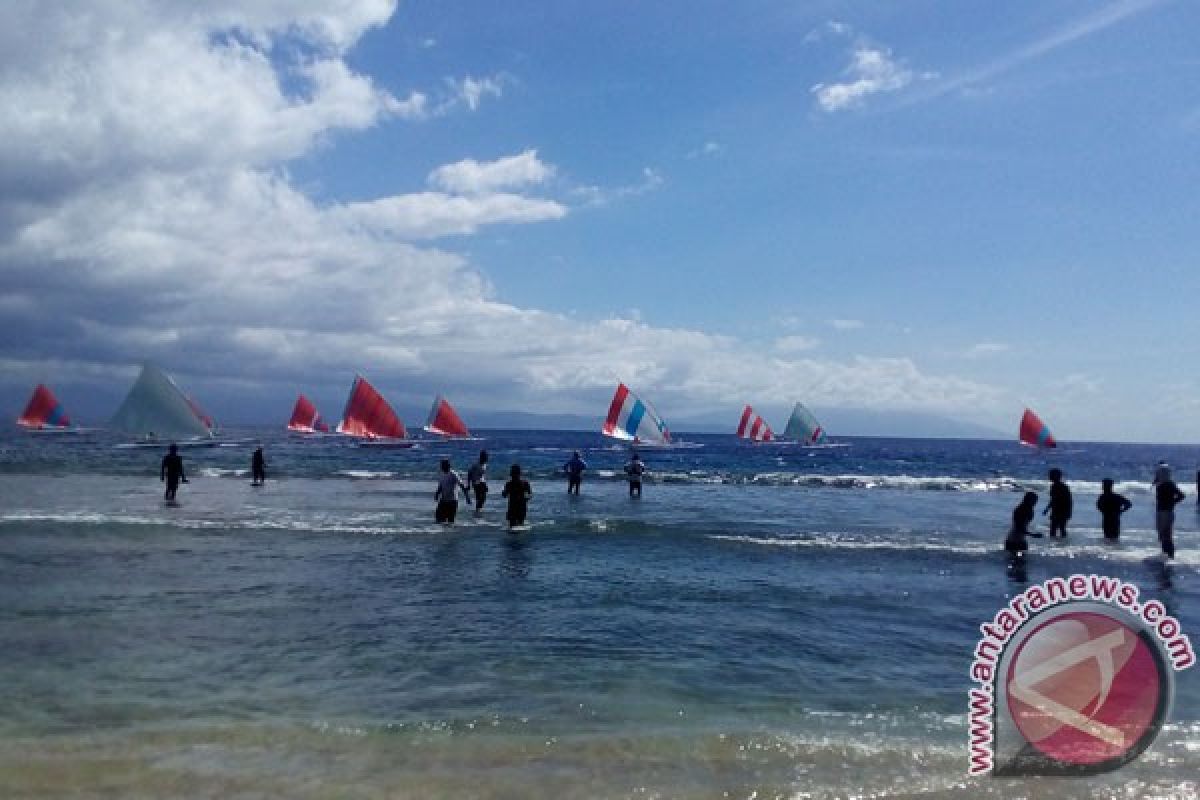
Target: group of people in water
point(1110, 505)
point(517, 490)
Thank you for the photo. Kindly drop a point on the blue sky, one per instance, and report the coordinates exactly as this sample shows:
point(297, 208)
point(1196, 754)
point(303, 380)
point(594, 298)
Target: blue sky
point(957, 208)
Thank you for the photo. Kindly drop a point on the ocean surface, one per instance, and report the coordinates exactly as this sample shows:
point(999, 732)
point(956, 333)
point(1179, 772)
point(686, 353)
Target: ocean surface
point(766, 621)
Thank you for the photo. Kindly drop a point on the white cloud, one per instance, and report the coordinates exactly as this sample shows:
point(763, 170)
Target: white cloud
point(428, 215)
point(872, 70)
point(471, 91)
point(146, 211)
point(846, 324)
point(472, 177)
point(795, 344)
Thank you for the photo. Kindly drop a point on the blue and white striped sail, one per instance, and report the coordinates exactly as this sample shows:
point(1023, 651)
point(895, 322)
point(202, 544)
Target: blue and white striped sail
point(634, 420)
point(803, 427)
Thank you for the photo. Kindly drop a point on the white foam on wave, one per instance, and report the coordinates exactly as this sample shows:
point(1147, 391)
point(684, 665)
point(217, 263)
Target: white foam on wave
point(840, 541)
point(366, 474)
point(218, 472)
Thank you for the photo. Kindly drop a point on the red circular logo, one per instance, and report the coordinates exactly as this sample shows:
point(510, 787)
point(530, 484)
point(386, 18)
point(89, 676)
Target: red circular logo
point(1084, 688)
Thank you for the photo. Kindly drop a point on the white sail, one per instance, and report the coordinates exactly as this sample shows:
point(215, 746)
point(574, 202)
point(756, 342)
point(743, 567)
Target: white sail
point(155, 407)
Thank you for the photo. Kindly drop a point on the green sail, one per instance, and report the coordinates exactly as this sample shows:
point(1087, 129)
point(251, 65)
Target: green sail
point(803, 427)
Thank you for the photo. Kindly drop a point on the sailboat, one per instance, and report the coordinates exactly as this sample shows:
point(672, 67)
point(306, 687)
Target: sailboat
point(754, 427)
point(44, 414)
point(445, 421)
point(370, 419)
point(158, 412)
point(803, 427)
point(632, 419)
point(305, 418)
point(1034, 432)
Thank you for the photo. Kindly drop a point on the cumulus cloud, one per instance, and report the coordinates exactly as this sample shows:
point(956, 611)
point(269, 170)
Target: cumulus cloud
point(146, 212)
point(472, 177)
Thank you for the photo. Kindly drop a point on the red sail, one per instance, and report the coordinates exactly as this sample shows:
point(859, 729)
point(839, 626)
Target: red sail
point(368, 415)
point(1034, 432)
point(305, 418)
point(754, 427)
point(444, 420)
point(44, 410)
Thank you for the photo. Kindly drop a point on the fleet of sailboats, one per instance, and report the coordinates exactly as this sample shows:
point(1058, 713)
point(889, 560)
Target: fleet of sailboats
point(802, 428)
point(156, 411)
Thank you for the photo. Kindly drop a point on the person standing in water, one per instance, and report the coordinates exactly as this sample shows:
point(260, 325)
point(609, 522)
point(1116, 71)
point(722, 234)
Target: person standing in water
point(477, 480)
point(258, 468)
point(1166, 497)
point(574, 469)
point(518, 491)
point(1059, 507)
point(1111, 506)
point(172, 472)
point(635, 469)
point(447, 502)
point(1015, 543)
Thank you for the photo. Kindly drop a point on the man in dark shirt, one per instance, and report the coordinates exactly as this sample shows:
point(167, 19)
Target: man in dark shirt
point(1111, 506)
point(1059, 507)
point(172, 472)
point(518, 491)
point(1166, 497)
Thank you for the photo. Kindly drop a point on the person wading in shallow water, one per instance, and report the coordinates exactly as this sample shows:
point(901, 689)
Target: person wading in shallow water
point(574, 469)
point(1111, 506)
point(518, 492)
point(447, 502)
point(172, 472)
point(1166, 497)
point(635, 469)
point(477, 480)
point(258, 468)
point(1059, 507)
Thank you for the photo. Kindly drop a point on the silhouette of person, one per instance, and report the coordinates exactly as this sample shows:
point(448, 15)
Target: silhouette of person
point(574, 469)
point(518, 491)
point(635, 469)
point(1059, 507)
point(1015, 543)
point(477, 479)
point(1111, 506)
point(1166, 497)
point(258, 468)
point(447, 502)
point(172, 472)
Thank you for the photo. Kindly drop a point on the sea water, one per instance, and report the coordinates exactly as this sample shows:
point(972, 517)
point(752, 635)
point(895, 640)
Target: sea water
point(765, 621)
